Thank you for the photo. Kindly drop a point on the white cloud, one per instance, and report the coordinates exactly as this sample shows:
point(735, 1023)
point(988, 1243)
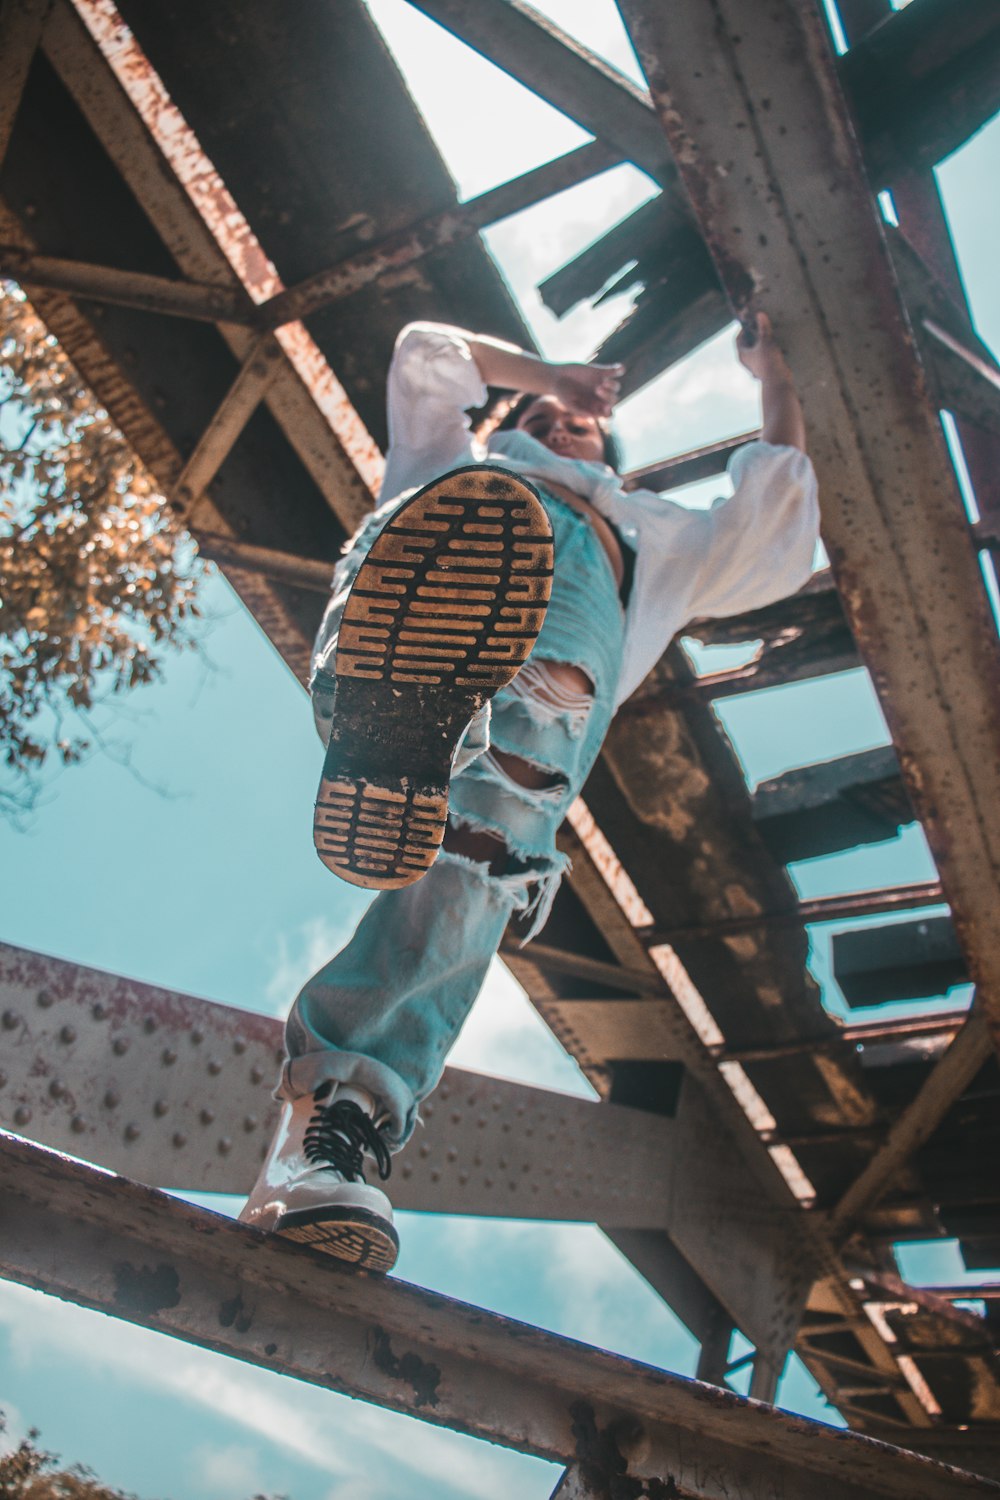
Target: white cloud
point(505, 1036)
point(299, 956)
point(233, 1470)
point(349, 1443)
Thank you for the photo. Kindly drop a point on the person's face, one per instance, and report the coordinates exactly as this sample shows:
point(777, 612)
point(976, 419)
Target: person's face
point(564, 431)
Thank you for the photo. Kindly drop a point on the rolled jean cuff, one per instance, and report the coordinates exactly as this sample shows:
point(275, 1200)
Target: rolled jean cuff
point(305, 1074)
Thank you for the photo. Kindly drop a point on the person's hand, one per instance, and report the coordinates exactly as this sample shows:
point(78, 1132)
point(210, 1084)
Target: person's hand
point(591, 390)
point(759, 352)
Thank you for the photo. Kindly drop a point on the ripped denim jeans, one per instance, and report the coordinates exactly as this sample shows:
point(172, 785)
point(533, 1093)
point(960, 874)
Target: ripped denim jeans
point(385, 1011)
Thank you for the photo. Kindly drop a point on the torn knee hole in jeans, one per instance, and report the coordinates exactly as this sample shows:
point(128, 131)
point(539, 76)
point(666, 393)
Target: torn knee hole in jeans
point(528, 881)
point(551, 693)
point(535, 784)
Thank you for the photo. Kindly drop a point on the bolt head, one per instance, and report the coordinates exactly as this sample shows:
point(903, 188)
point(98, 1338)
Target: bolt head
point(11, 1020)
point(45, 998)
point(168, 1057)
point(67, 1034)
point(78, 1125)
point(120, 1045)
point(112, 1099)
point(132, 1131)
point(22, 1115)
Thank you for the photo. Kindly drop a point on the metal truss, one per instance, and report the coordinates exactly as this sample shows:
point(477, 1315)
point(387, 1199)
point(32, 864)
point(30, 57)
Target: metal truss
point(666, 954)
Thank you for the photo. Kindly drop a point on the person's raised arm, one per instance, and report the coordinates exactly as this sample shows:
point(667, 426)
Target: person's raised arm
point(783, 423)
point(589, 389)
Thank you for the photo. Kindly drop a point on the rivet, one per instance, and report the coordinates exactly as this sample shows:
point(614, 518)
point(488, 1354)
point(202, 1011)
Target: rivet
point(435, 1177)
point(67, 1034)
point(427, 1111)
point(78, 1124)
point(11, 1019)
point(150, 1024)
point(168, 1056)
point(225, 1146)
point(197, 1036)
point(456, 1118)
point(407, 1172)
point(112, 1099)
point(22, 1115)
point(98, 1010)
point(487, 1182)
point(239, 1046)
point(132, 1132)
point(57, 1088)
point(444, 1092)
point(120, 1045)
point(256, 1074)
point(463, 1178)
point(214, 1066)
point(502, 1164)
point(207, 1116)
point(160, 1108)
point(250, 1123)
point(179, 1139)
point(452, 1154)
point(44, 999)
point(425, 1151)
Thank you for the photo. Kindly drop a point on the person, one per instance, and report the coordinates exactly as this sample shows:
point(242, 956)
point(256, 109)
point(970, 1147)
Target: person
point(462, 711)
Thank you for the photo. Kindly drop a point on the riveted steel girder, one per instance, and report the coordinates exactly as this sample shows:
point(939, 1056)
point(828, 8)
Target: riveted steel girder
point(762, 138)
point(109, 1244)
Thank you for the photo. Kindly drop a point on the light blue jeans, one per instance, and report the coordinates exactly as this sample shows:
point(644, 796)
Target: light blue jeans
point(385, 1011)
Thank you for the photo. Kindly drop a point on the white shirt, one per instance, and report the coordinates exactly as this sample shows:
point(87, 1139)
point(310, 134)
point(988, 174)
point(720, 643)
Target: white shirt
point(745, 551)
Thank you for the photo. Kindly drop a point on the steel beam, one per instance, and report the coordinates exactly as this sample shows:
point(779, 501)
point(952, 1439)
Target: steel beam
point(257, 374)
point(21, 24)
point(816, 909)
point(763, 141)
point(394, 254)
point(918, 1122)
point(176, 1091)
point(109, 1244)
point(153, 294)
point(337, 461)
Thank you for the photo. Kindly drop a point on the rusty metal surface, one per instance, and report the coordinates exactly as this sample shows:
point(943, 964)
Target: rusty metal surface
point(175, 1091)
point(138, 289)
point(893, 523)
point(390, 257)
point(183, 1271)
point(21, 23)
point(257, 374)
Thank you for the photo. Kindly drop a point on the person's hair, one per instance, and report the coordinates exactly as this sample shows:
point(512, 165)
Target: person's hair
point(519, 405)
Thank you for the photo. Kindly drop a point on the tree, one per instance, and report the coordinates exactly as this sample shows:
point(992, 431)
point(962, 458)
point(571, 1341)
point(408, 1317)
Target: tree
point(97, 580)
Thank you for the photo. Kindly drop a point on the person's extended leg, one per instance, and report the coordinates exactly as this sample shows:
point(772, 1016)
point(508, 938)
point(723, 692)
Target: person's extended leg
point(376, 1023)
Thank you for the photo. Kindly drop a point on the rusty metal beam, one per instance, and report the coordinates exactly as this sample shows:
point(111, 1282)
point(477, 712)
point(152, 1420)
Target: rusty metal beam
point(893, 523)
point(337, 461)
point(436, 232)
point(257, 374)
point(688, 468)
point(918, 1122)
point(817, 909)
point(544, 58)
point(21, 25)
point(283, 567)
point(109, 1244)
point(153, 294)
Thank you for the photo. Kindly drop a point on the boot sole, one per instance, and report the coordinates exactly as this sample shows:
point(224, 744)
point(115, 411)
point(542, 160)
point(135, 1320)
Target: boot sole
point(357, 1237)
point(444, 611)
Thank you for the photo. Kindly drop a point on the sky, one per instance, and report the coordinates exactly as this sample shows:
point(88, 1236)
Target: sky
point(145, 863)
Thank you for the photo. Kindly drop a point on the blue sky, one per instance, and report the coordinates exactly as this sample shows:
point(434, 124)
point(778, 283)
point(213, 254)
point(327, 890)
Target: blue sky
point(193, 868)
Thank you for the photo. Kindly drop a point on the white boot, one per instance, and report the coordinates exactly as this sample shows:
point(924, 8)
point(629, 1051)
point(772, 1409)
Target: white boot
point(311, 1187)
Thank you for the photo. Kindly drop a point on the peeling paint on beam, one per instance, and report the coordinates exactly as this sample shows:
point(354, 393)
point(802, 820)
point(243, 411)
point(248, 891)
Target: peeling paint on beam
point(761, 136)
point(88, 1237)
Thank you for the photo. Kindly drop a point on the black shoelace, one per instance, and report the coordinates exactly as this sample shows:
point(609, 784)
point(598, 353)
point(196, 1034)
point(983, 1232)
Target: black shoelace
point(340, 1133)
